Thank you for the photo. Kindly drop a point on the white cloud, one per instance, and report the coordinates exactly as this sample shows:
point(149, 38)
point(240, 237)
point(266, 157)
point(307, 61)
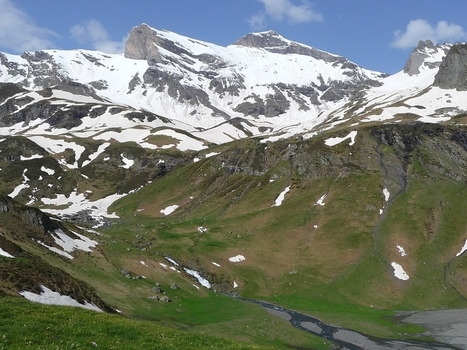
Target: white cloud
point(93, 32)
point(420, 29)
point(257, 22)
point(18, 31)
point(280, 10)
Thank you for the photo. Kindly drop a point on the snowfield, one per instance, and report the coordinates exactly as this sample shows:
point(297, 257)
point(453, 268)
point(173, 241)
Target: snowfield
point(49, 297)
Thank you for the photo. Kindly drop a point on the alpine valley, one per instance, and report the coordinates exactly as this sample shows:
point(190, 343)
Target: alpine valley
point(176, 187)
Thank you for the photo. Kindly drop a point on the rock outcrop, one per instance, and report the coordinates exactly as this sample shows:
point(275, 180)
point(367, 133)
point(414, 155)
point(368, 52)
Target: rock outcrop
point(452, 72)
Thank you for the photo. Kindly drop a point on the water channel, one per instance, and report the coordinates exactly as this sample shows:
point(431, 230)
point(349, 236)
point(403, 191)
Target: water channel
point(345, 338)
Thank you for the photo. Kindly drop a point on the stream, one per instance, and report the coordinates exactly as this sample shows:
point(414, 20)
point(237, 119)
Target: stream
point(345, 338)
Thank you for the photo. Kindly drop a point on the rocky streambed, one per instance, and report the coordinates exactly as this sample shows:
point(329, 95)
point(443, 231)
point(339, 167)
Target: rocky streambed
point(448, 327)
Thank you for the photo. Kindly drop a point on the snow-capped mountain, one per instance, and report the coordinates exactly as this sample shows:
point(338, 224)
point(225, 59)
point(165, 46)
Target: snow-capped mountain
point(170, 92)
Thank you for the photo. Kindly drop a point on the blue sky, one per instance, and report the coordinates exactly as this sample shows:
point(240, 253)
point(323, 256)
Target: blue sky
point(375, 34)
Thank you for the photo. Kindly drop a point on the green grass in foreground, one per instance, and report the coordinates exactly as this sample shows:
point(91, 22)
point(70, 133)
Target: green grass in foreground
point(28, 325)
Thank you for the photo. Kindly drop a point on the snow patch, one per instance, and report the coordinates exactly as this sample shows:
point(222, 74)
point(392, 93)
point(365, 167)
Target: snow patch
point(386, 194)
point(204, 282)
point(169, 210)
point(34, 156)
point(47, 170)
point(401, 250)
point(336, 140)
point(172, 261)
point(128, 162)
point(49, 297)
point(75, 203)
point(281, 197)
point(237, 258)
point(399, 272)
point(21, 186)
point(71, 244)
point(464, 248)
point(216, 264)
point(8, 255)
point(321, 200)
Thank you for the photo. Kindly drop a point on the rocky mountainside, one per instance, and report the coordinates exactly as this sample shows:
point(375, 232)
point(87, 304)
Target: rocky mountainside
point(266, 168)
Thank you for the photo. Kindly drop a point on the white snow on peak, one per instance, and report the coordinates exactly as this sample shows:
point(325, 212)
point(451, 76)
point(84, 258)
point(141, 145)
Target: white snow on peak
point(332, 141)
point(281, 197)
point(401, 250)
point(321, 200)
point(237, 258)
point(399, 271)
point(5, 254)
point(169, 210)
point(49, 297)
point(464, 248)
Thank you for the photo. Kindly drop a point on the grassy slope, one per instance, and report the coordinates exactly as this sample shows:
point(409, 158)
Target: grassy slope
point(331, 261)
point(27, 325)
point(339, 270)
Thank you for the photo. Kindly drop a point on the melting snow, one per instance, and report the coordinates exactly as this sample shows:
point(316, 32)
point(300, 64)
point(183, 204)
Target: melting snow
point(336, 140)
point(169, 210)
point(128, 162)
point(321, 200)
point(70, 244)
point(202, 229)
point(50, 297)
point(399, 272)
point(47, 170)
point(386, 194)
point(7, 255)
point(172, 261)
point(401, 250)
point(281, 197)
point(235, 285)
point(464, 248)
point(78, 202)
point(143, 263)
point(96, 154)
point(204, 282)
point(216, 264)
point(34, 156)
point(237, 258)
point(211, 154)
point(21, 186)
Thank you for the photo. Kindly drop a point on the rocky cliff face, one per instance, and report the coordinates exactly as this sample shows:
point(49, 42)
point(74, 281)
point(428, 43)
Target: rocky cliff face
point(452, 72)
point(425, 56)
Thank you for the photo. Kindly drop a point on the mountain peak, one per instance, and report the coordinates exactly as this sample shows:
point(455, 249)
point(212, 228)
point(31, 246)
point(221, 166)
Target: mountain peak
point(140, 44)
point(266, 39)
point(425, 56)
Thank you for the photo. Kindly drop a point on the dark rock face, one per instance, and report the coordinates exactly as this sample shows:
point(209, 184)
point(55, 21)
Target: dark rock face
point(452, 72)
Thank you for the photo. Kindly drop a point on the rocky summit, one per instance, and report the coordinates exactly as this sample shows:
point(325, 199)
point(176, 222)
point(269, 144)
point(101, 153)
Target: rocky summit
point(268, 170)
